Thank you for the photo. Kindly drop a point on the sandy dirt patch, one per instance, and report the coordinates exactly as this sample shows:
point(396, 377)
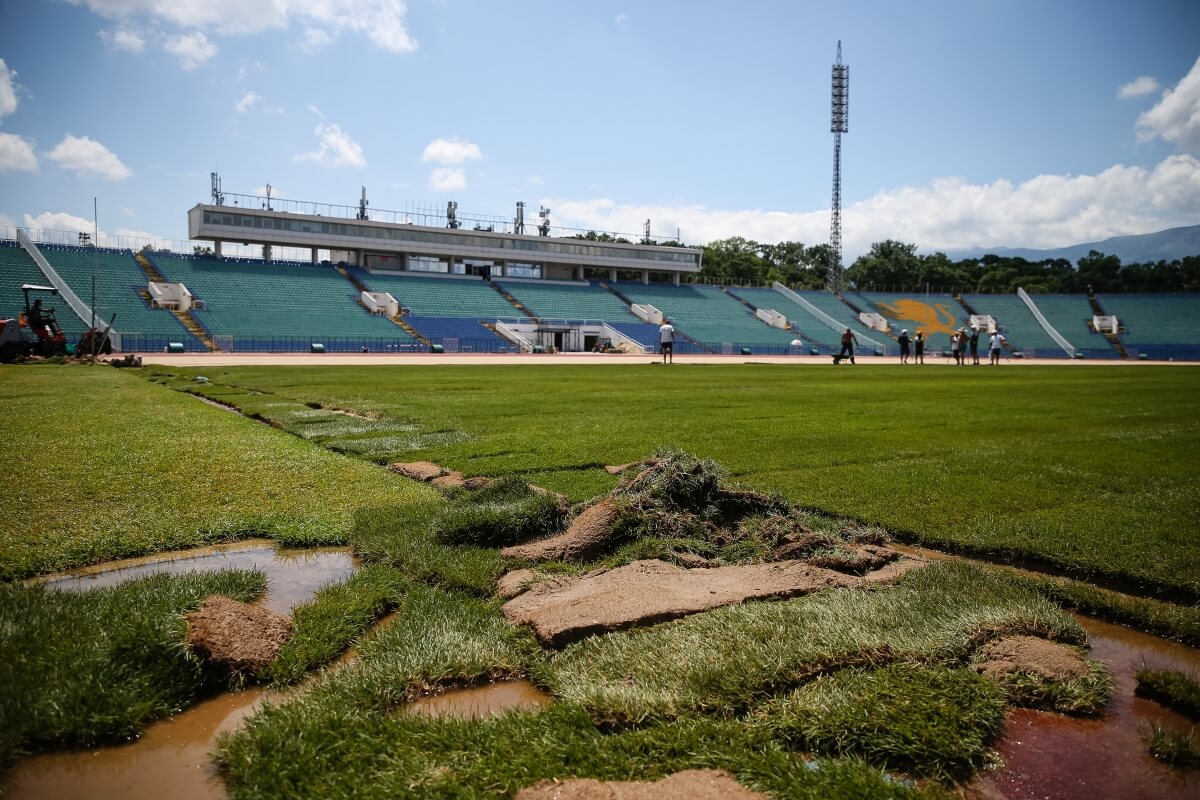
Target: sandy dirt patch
point(418, 470)
point(451, 480)
point(692, 784)
point(236, 635)
point(648, 592)
point(1032, 655)
point(588, 536)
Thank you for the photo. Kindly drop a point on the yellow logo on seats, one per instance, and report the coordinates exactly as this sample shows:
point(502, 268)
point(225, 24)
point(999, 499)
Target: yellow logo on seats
point(935, 318)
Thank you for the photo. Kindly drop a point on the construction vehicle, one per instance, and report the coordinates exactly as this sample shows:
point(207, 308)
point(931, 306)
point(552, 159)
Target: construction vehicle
point(44, 336)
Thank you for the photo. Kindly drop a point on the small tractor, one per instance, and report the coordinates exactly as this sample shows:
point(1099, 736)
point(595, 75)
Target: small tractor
point(44, 337)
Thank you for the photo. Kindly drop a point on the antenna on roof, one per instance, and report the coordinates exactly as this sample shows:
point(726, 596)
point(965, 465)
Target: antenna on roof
point(268, 206)
point(362, 204)
point(646, 232)
point(519, 222)
point(452, 215)
point(544, 221)
point(218, 197)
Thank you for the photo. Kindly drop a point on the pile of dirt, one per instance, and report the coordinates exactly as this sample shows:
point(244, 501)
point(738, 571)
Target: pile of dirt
point(589, 535)
point(568, 609)
point(451, 480)
point(692, 784)
point(418, 470)
point(238, 636)
point(1031, 655)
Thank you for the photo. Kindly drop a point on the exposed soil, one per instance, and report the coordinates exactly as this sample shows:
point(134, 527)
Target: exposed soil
point(418, 470)
point(238, 636)
point(589, 535)
point(477, 482)
point(648, 592)
point(514, 582)
point(692, 784)
point(1029, 654)
point(451, 480)
point(617, 469)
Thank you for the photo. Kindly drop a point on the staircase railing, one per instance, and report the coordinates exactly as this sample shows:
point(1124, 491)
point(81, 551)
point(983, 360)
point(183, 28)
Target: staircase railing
point(1050, 330)
point(81, 309)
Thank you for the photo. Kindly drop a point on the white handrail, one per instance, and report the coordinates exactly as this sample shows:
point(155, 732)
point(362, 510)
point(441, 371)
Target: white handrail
point(508, 333)
point(1045, 323)
point(81, 309)
point(616, 335)
point(821, 315)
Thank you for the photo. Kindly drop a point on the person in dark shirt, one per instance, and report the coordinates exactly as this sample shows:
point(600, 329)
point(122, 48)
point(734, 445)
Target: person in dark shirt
point(974, 341)
point(848, 342)
point(903, 340)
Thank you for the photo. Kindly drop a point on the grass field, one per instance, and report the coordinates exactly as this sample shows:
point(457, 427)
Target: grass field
point(1089, 468)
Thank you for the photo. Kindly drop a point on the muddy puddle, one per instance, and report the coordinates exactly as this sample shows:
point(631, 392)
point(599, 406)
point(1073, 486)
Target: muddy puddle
point(293, 576)
point(1054, 756)
point(171, 758)
point(479, 702)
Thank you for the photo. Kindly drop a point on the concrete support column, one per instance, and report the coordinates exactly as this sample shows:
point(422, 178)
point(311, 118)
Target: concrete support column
point(217, 248)
point(578, 273)
point(404, 261)
point(645, 276)
point(676, 278)
point(314, 255)
point(612, 276)
point(266, 252)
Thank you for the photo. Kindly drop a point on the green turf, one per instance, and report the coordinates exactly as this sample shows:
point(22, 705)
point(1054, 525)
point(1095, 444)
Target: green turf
point(1172, 688)
point(1177, 748)
point(82, 667)
point(105, 465)
point(1090, 468)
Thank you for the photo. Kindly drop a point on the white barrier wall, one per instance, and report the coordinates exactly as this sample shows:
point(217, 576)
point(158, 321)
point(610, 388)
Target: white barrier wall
point(647, 313)
point(1106, 324)
point(170, 295)
point(984, 322)
point(772, 317)
point(380, 303)
point(873, 321)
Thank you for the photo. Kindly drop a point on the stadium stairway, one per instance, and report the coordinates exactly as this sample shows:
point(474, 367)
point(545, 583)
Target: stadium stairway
point(618, 293)
point(185, 317)
point(1113, 338)
point(514, 302)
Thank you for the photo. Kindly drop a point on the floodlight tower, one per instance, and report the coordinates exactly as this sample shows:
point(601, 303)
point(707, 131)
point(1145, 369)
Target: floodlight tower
point(840, 124)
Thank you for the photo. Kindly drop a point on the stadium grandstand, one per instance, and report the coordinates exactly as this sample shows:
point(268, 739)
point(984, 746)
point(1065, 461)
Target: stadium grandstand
point(396, 282)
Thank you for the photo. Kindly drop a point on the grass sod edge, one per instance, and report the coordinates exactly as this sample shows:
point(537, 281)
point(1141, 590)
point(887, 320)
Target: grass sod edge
point(1171, 688)
point(834, 447)
point(1176, 748)
point(100, 665)
point(192, 475)
point(442, 638)
point(727, 660)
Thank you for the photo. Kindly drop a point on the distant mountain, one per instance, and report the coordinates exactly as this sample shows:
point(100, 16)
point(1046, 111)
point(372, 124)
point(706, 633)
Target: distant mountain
point(1165, 245)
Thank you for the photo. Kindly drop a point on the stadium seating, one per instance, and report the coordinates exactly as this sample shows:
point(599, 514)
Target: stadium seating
point(427, 296)
point(1070, 315)
point(812, 331)
point(938, 316)
point(709, 316)
point(563, 301)
point(1160, 325)
point(1018, 324)
point(460, 334)
point(118, 281)
point(279, 306)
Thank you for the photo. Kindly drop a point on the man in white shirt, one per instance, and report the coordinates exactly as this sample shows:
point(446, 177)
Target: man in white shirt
point(995, 343)
point(666, 341)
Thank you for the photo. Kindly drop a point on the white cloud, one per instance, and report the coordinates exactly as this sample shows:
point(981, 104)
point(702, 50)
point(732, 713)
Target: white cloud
point(247, 102)
point(1138, 87)
point(16, 154)
point(451, 151)
point(335, 148)
point(129, 41)
point(621, 18)
point(447, 179)
point(8, 93)
point(7, 222)
point(1176, 117)
point(59, 221)
point(192, 49)
point(318, 112)
point(276, 192)
point(88, 157)
point(382, 21)
point(948, 214)
point(315, 39)
point(536, 180)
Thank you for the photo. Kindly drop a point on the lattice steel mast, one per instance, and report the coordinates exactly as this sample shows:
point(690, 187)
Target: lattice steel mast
point(840, 124)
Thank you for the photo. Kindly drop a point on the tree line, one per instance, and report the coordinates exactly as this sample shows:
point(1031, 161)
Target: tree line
point(896, 266)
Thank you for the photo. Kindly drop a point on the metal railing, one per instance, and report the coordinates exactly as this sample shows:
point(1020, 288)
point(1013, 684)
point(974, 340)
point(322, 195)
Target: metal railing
point(1045, 323)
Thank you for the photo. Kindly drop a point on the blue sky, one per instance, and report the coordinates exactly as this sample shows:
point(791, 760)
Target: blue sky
point(997, 122)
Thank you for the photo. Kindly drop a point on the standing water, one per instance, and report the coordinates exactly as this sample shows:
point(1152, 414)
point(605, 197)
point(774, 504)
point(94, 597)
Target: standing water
point(171, 758)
